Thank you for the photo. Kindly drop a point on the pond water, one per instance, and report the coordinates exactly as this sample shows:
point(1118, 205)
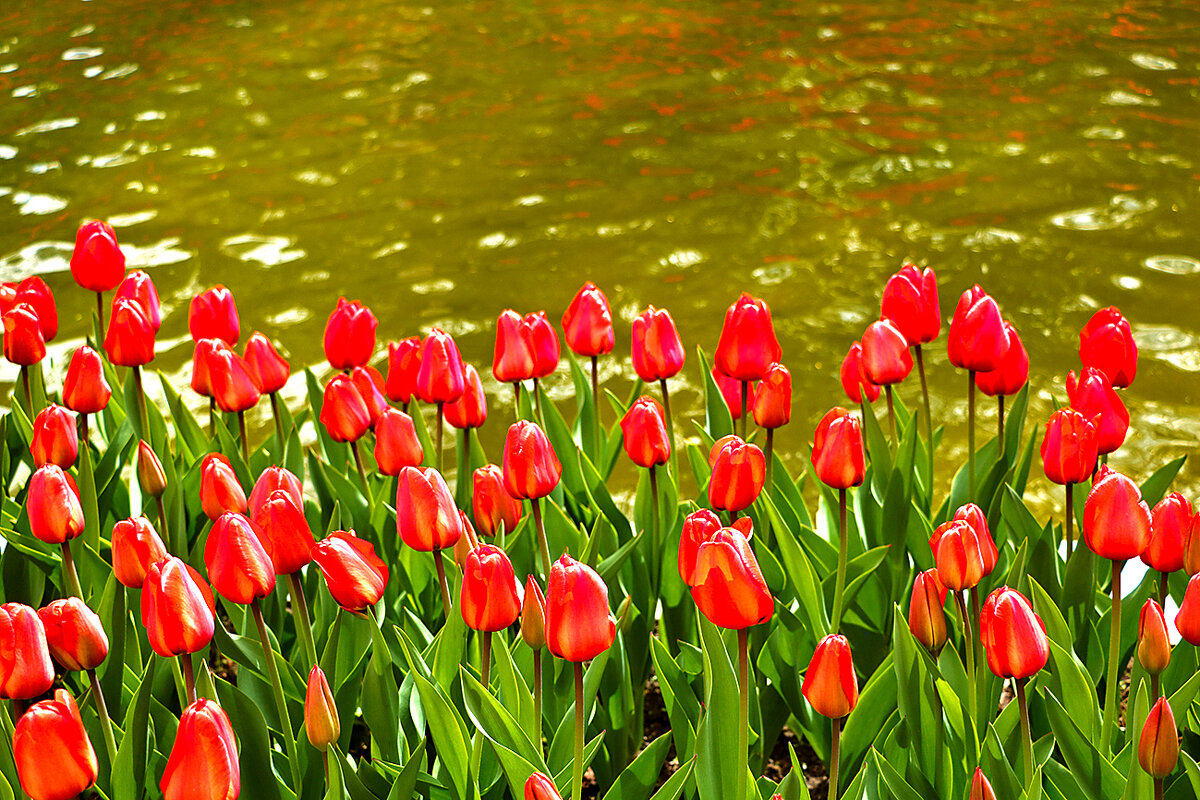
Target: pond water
point(445, 161)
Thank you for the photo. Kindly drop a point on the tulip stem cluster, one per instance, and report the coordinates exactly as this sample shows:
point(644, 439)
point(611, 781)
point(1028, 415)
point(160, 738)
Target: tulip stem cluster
point(285, 723)
point(1114, 658)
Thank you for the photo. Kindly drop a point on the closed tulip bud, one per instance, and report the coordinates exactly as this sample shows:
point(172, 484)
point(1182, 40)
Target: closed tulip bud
point(1069, 447)
point(773, 398)
point(85, 389)
point(426, 516)
point(238, 560)
point(1187, 621)
point(957, 555)
point(25, 668)
point(657, 350)
point(579, 626)
point(531, 468)
point(885, 356)
point(219, 488)
point(350, 335)
point(926, 611)
point(830, 685)
point(544, 342)
point(130, 338)
point(1170, 523)
point(24, 343)
point(344, 413)
point(151, 478)
point(271, 480)
point(491, 503)
point(491, 597)
point(981, 788)
point(533, 615)
point(541, 787)
point(738, 473)
point(1158, 746)
point(369, 383)
point(178, 610)
point(1106, 343)
point(1013, 372)
point(977, 340)
point(1116, 523)
point(1013, 636)
point(53, 507)
point(205, 358)
point(838, 456)
point(396, 442)
point(74, 634)
point(853, 375)
point(747, 346)
point(470, 410)
point(34, 292)
point(728, 587)
point(97, 264)
point(285, 532)
point(731, 393)
point(512, 359)
point(204, 761)
point(644, 433)
point(404, 364)
point(213, 315)
point(1191, 547)
point(136, 546)
point(356, 577)
point(138, 286)
point(269, 369)
point(910, 303)
point(698, 528)
point(465, 543)
point(988, 553)
point(54, 756)
point(55, 439)
point(1153, 643)
point(442, 377)
point(1093, 397)
point(320, 711)
point(233, 386)
point(587, 322)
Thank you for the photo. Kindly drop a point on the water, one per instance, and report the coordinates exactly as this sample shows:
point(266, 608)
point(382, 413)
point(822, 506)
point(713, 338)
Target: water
point(443, 162)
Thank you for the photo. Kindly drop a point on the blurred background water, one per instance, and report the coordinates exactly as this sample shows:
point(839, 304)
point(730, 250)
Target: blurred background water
point(443, 162)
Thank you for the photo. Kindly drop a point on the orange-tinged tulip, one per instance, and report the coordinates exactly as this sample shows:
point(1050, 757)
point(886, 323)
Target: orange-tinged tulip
point(579, 626)
point(369, 383)
point(738, 473)
point(531, 467)
point(213, 314)
point(587, 322)
point(204, 759)
point(426, 516)
point(151, 478)
point(441, 377)
point(747, 346)
point(55, 438)
point(1158, 746)
point(729, 588)
point(321, 721)
point(356, 577)
point(470, 410)
point(238, 563)
point(1013, 636)
point(540, 787)
point(34, 292)
point(533, 615)
point(404, 364)
point(1069, 447)
point(177, 608)
point(219, 488)
point(1153, 643)
point(491, 503)
point(97, 264)
point(136, 546)
point(988, 553)
point(657, 350)
point(644, 433)
point(285, 532)
point(138, 286)
point(25, 668)
point(885, 355)
point(957, 555)
point(838, 455)
point(977, 340)
point(53, 507)
point(85, 389)
point(269, 369)
point(74, 634)
point(981, 787)
point(1106, 343)
point(1116, 523)
point(491, 597)
point(1187, 621)
point(24, 343)
point(396, 442)
point(830, 685)
point(129, 341)
point(54, 756)
point(927, 611)
point(910, 302)
point(773, 398)
point(350, 334)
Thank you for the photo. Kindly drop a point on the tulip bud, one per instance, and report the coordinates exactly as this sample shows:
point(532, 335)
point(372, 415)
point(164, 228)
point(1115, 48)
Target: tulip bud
point(53, 507)
point(1013, 372)
point(238, 561)
point(97, 263)
point(34, 292)
point(213, 315)
point(988, 554)
point(531, 467)
point(977, 340)
point(369, 383)
point(747, 346)
point(85, 389)
point(698, 528)
point(404, 364)
point(773, 398)
point(910, 303)
point(1069, 447)
point(491, 597)
point(579, 626)
point(885, 356)
point(219, 487)
point(541, 787)
point(136, 547)
point(24, 343)
point(731, 393)
point(344, 413)
point(1013, 636)
point(544, 342)
point(204, 761)
point(1116, 523)
point(926, 611)
point(512, 359)
point(396, 442)
point(1106, 343)
point(491, 503)
point(738, 474)
point(533, 615)
point(55, 438)
point(981, 788)
point(587, 322)
point(830, 685)
point(1170, 522)
point(853, 375)
point(178, 610)
point(644, 433)
point(205, 357)
point(285, 532)
point(957, 555)
point(657, 350)
point(269, 369)
point(151, 478)
point(1153, 643)
point(355, 576)
point(320, 711)
point(1158, 746)
point(74, 634)
point(728, 587)
point(233, 386)
point(838, 456)
point(350, 335)
point(426, 516)
point(1187, 621)
point(138, 286)
point(25, 668)
point(130, 338)
point(441, 378)
point(54, 756)
point(1092, 396)
point(470, 410)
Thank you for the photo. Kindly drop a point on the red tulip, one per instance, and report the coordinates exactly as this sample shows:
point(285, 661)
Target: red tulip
point(731, 393)
point(854, 378)
point(350, 335)
point(24, 343)
point(177, 608)
point(320, 711)
point(1106, 343)
point(957, 554)
point(838, 456)
point(204, 759)
point(55, 439)
point(773, 398)
point(213, 315)
point(981, 787)
point(927, 611)
point(356, 577)
point(657, 350)
point(136, 547)
point(491, 597)
point(232, 382)
point(533, 615)
point(531, 468)
point(74, 634)
point(404, 364)
point(1170, 523)
point(728, 587)
point(587, 322)
point(698, 528)
point(269, 369)
point(238, 563)
point(1153, 642)
point(885, 356)
point(1187, 621)
point(55, 513)
point(369, 383)
point(513, 357)
point(130, 338)
point(977, 340)
point(493, 506)
point(269, 481)
point(285, 533)
point(343, 412)
point(579, 626)
point(470, 410)
point(34, 292)
point(85, 389)
point(910, 302)
point(1013, 636)
point(25, 668)
point(97, 263)
point(1092, 396)
point(151, 478)
point(138, 286)
point(747, 346)
point(441, 378)
point(396, 442)
point(644, 433)
point(1158, 746)
point(1116, 523)
point(830, 685)
point(1069, 447)
point(426, 517)
point(54, 757)
point(541, 787)
point(1013, 372)
point(544, 342)
point(219, 487)
point(205, 358)
point(973, 516)
point(738, 473)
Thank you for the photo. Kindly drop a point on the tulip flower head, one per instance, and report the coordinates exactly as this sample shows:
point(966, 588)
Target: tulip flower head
point(152, 480)
point(738, 473)
point(97, 264)
point(213, 314)
point(958, 556)
point(404, 364)
point(34, 293)
point(533, 615)
point(698, 528)
point(284, 532)
point(981, 787)
point(350, 335)
point(988, 553)
point(830, 685)
point(1187, 621)
point(1158, 746)
point(355, 576)
point(579, 626)
point(178, 609)
point(541, 787)
point(321, 721)
point(587, 323)
point(136, 546)
point(469, 410)
point(513, 358)
point(396, 443)
point(238, 563)
point(773, 398)
point(493, 506)
point(54, 756)
point(53, 506)
point(853, 375)
point(74, 634)
point(55, 438)
point(204, 759)
point(25, 668)
point(910, 303)
point(1153, 643)
point(977, 340)
point(544, 342)
point(205, 357)
point(24, 343)
point(728, 586)
point(426, 516)
point(531, 468)
point(219, 488)
point(885, 355)
point(1116, 522)
point(491, 598)
point(747, 346)
point(657, 350)
point(838, 455)
point(644, 433)
point(270, 480)
point(138, 286)
point(232, 382)
point(1013, 636)
point(344, 413)
point(269, 369)
point(130, 338)
point(1070, 447)
point(1013, 372)
point(1093, 397)
point(927, 611)
point(1106, 343)
point(369, 384)
point(442, 377)
point(85, 389)
point(1171, 521)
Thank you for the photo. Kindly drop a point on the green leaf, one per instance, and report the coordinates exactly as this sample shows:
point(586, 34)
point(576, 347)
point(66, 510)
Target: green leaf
point(1093, 772)
point(497, 723)
point(636, 781)
point(1155, 487)
point(256, 750)
point(894, 780)
point(129, 773)
point(717, 761)
point(673, 788)
point(406, 781)
point(336, 788)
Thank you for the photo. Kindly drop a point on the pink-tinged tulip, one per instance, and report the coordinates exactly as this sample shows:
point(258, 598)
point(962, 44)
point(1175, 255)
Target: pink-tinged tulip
point(97, 263)
point(644, 433)
point(513, 356)
point(541, 787)
point(151, 478)
point(1013, 372)
point(442, 376)
point(738, 473)
point(356, 577)
point(587, 323)
point(927, 611)
point(213, 315)
point(426, 517)
point(885, 356)
point(491, 597)
point(579, 626)
point(731, 393)
point(544, 342)
point(470, 410)
point(1153, 643)
point(404, 364)
point(396, 442)
point(55, 513)
point(269, 369)
point(343, 412)
point(271, 480)
point(138, 286)
point(1187, 621)
point(1106, 343)
point(493, 506)
point(205, 357)
point(238, 563)
point(910, 303)
point(136, 546)
point(1170, 523)
point(1158, 746)
point(55, 438)
point(285, 533)
point(85, 389)
point(34, 292)
point(25, 668)
point(74, 634)
point(855, 382)
point(350, 335)
point(219, 488)
point(1013, 636)
point(1095, 399)
point(957, 554)
point(178, 609)
point(54, 756)
point(204, 760)
point(232, 383)
point(657, 350)
point(981, 787)
point(533, 615)
point(988, 553)
point(1069, 447)
point(531, 468)
point(773, 398)
point(747, 346)
point(369, 383)
point(320, 711)
point(1116, 523)
point(977, 340)
point(838, 455)
point(830, 685)
point(130, 338)
point(728, 587)
point(24, 343)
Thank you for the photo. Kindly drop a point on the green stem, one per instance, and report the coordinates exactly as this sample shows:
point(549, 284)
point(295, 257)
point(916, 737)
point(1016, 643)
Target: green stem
point(362, 472)
point(537, 404)
point(666, 396)
point(928, 408)
point(769, 452)
point(285, 724)
point(1158, 789)
point(100, 310)
point(577, 782)
point(1154, 689)
point(977, 644)
point(110, 741)
point(939, 738)
point(1163, 590)
point(1000, 422)
point(596, 408)
point(163, 527)
point(516, 400)
point(1026, 736)
point(300, 616)
point(537, 698)
point(442, 582)
point(143, 416)
point(485, 658)
point(1069, 531)
point(887, 390)
point(745, 401)
point(1114, 658)
point(543, 545)
point(969, 649)
point(212, 417)
point(441, 424)
point(835, 756)
point(655, 570)
point(843, 554)
point(241, 415)
point(743, 753)
point(28, 390)
point(971, 435)
point(70, 576)
point(278, 422)
point(189, 676)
